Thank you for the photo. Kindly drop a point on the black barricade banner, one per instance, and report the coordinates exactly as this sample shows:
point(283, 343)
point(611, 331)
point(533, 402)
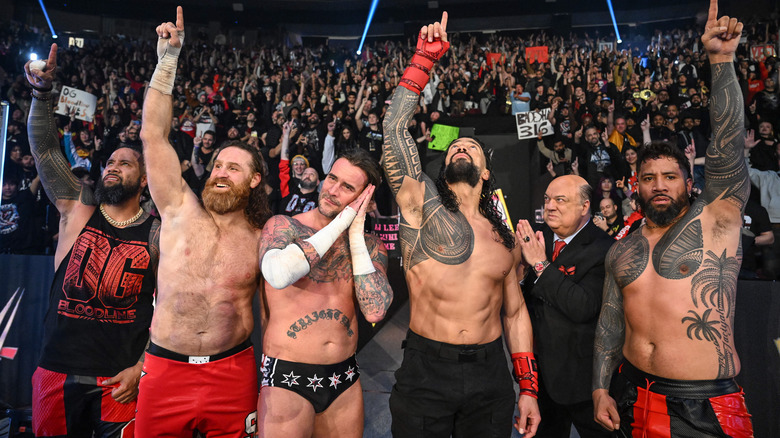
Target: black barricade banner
point(24, 294)
point(386, 227)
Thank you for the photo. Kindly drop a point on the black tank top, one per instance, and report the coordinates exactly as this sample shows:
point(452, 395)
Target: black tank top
point(100, 303)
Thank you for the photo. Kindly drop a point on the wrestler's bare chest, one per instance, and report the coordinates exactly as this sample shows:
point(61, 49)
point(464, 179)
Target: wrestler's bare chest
point(200, 255)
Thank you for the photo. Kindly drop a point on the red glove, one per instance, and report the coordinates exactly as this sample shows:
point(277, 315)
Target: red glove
point(416, 75)
point(524, 365)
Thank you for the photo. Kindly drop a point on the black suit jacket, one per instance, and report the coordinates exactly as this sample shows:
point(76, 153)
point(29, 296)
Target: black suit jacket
point(564, 305)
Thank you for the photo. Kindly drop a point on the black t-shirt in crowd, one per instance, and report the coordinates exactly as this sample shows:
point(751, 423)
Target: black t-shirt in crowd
point(296, 203)
point(17, 224)
point(371, 141)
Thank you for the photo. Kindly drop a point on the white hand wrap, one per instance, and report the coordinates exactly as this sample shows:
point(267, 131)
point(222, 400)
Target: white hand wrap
point(361, 259)
point(167, 60)
point(324, 238)
point(283, 267)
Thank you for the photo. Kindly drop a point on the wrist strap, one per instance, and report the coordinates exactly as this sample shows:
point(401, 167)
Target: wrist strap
point(416, 76)
point(39, 89)
point(526, 375)
point(39, 96)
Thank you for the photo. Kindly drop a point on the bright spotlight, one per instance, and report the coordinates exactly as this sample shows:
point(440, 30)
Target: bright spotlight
point(371, 11)
point(614, 23)
point(33, 56)
point(46, 15)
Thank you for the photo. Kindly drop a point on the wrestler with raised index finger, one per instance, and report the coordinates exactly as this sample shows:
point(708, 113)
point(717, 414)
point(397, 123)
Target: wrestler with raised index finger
point(200, 372)
point(459, 260)
point(666, 328)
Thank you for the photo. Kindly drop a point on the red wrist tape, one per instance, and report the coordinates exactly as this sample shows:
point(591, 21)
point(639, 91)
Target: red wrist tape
point(526, 374)
point(416, 75)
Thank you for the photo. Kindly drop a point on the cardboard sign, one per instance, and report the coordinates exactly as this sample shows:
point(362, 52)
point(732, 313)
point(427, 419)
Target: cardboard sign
point(386, 227)
point(83, 103)
point(761, 53)
point(537, 54)
point(498, 199)
point(443, 135)
point(531, 123)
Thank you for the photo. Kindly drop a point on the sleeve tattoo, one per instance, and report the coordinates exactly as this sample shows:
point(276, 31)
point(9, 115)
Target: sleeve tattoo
point(373, 291)
point(400, 150)
point(57, 179)
point(623, 266)
point(726, 174)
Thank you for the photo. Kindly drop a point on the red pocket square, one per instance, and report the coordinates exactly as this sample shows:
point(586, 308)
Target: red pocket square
point(567, 271)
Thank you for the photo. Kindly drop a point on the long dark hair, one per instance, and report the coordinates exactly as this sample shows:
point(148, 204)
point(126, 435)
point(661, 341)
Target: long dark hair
point(257, 210)
point(486, 205)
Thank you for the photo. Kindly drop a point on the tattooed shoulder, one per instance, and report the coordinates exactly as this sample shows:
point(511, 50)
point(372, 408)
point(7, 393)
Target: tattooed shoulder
point(628, 258)
point(444, 236)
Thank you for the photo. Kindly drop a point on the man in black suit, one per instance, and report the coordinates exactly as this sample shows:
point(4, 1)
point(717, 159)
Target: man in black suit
point(563, 293)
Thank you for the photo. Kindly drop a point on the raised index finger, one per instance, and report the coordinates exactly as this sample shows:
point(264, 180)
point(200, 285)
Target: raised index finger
point(52, 61)
point(179, 18)
point(713, 14)
point(444, 21)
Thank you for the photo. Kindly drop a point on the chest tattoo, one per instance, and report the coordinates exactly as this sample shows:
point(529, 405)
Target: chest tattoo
point(678, 253)
point(444, 236)
point(628, 259)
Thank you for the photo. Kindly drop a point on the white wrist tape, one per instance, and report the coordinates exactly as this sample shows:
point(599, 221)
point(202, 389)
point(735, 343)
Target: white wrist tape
point(283, 267)
point(167, 60)
point(324, 238)
point(361, 259)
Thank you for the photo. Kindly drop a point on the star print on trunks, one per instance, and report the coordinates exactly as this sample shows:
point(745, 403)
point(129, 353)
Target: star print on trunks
point(279, 373)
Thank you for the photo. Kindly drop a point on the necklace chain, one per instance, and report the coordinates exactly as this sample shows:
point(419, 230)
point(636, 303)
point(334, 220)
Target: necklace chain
point(117, 223)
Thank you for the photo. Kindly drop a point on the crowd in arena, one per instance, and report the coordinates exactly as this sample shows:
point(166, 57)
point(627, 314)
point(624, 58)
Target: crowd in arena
point(302, 106)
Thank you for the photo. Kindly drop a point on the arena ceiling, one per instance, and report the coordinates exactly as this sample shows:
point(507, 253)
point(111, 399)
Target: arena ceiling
point(273, 12)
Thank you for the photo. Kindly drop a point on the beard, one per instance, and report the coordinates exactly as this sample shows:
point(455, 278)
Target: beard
point(461, 170)
point(117, 193)
point(237, 198)
point(335, 210)
point(663, 217)
point(308, 185)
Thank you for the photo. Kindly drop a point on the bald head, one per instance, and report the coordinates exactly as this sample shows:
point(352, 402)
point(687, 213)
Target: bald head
point(578, 183)
point(567, 204)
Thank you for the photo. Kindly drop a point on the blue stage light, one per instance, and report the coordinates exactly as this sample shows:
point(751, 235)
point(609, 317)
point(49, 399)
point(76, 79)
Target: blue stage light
point(374, 3)
point(614, 23)
point(46, 14)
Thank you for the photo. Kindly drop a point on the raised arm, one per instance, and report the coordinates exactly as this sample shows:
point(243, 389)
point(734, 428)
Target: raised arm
point(401, 160)
point(726, 175)
point(62, 187)
point(163, 171)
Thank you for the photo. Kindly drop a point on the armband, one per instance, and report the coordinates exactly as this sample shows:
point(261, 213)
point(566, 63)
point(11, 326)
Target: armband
point(361, 259)
point(324, 238)
point(526, 375)
point(283, 267)
point(416, 75)
point(167, 59)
